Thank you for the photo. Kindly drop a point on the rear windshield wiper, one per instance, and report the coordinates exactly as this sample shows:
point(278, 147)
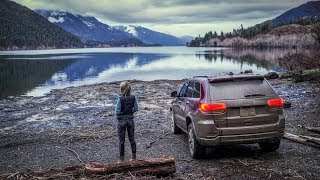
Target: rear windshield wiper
point(253, 95)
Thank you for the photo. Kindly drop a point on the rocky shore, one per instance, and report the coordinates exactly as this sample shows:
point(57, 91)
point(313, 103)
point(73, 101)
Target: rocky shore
point(77, 125)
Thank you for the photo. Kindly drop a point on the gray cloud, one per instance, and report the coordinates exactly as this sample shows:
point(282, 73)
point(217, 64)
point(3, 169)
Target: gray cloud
point(172, 12)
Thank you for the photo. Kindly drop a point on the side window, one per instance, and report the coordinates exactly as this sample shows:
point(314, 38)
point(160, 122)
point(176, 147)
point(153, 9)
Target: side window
point(196, 91)
point(190, 89)
point(183, 90)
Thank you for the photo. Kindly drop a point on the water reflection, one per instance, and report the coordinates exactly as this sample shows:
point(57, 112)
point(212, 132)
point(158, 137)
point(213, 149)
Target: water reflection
point(38, 74)
point(19, 77)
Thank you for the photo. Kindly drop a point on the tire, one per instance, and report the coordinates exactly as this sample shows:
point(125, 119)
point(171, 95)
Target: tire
point(196, 150)
point(270, 146)
point(175, 128)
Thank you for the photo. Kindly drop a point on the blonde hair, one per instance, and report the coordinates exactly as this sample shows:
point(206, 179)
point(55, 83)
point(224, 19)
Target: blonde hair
point(125, 88)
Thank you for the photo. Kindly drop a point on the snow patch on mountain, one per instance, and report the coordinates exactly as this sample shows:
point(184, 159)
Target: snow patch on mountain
point(54, 20)
point(132, 30)
point(58, 13)
point(128, 29)
point(89, 24)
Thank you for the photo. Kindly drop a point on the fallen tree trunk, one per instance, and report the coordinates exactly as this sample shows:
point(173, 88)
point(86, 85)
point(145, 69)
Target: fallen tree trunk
point(312, 129)
point(155, 166)
point(311, 139)
point(307, 140)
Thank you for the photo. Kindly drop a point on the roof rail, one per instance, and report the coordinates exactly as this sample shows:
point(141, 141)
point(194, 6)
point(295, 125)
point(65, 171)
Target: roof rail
point(200, 76)
point(236, 78)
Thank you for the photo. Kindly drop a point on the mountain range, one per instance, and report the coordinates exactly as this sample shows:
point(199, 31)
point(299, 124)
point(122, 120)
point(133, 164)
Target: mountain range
point(151, 37)
point(90, 29)
point(87, 28)
point(307, 10)
point(22, 28)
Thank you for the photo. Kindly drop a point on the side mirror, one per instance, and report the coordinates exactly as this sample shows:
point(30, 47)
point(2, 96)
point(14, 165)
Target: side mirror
point(174, 94)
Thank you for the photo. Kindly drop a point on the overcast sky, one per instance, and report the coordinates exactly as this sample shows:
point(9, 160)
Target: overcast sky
point(176, 17)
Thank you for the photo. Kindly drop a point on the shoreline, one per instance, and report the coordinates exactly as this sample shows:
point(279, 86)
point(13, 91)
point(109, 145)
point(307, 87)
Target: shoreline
point(36, 132)
point(3, 52)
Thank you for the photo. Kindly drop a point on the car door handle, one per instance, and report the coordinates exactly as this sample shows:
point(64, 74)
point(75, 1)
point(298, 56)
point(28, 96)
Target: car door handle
point(187, 102)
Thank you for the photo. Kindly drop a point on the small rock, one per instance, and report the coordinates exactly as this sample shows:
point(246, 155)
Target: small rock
point(142, 97)
point(286, 104)
point(286, 76)
point(248, 71)
point(271, 75)
point(10, 97)
point(110, 114)
point(8, 110)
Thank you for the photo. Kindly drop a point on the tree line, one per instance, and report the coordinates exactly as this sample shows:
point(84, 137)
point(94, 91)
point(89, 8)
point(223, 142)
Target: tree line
point(249, 32)
point(22, 27)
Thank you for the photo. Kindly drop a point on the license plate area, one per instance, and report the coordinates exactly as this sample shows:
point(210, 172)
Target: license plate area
point(247, 111)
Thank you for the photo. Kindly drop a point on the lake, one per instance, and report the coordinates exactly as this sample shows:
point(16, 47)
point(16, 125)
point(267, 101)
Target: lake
point(36, 72)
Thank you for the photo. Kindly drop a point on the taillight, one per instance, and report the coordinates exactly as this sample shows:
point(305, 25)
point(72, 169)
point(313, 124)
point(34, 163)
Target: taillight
point(214, 107)
point(275, 103)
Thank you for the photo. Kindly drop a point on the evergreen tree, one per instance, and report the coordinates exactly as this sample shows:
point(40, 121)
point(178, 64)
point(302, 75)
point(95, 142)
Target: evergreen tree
point(215, 35)
point(222, 36)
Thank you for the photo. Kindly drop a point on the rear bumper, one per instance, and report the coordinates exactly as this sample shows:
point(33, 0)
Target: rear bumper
point(241, 139)
point(209, 135)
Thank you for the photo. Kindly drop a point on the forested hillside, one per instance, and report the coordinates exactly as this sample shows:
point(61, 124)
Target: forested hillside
point(294, 28)
point(22, 28)
point(293, 35)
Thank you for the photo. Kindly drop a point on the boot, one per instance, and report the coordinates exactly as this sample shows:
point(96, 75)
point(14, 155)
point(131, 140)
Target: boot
point(121, 160)
point(133, 157)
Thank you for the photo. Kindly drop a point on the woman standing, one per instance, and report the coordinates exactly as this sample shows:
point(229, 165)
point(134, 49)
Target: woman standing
point(126, 105)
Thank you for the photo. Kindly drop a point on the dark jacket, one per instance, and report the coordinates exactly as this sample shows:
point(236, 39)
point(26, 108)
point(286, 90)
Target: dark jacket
point(126, 106)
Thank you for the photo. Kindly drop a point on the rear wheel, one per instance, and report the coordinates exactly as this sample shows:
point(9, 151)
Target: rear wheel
point(196, 150)
point(270, 146)
point(175, 128)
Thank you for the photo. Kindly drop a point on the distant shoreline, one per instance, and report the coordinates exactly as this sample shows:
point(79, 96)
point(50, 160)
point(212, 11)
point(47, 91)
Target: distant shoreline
point(53, 48)
point(287, 36)
point(76, 48)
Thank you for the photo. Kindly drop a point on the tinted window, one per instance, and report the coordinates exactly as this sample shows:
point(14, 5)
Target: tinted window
point(196, 90)
point(190, 89)
point(240, 89)
point(183, 90)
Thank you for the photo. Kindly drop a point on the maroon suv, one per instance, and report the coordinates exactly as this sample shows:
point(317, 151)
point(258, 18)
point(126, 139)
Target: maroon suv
point(228, 109)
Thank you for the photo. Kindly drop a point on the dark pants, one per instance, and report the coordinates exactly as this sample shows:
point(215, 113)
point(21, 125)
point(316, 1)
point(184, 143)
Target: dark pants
point(123, 126)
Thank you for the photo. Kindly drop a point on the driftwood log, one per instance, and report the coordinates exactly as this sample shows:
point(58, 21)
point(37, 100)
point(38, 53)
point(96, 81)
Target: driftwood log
point(307, 140)
point(155, 166)
point(312, 129)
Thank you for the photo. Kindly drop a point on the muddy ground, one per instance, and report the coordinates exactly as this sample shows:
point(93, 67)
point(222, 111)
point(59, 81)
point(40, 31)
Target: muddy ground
point(77, 124)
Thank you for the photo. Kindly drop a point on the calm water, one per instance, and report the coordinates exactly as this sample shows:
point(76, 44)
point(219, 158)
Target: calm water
point(37, 72)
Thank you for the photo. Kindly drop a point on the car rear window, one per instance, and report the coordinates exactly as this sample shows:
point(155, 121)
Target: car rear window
point(240, 89)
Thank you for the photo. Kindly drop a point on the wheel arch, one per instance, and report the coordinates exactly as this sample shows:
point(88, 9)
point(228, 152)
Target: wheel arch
point(188, 121)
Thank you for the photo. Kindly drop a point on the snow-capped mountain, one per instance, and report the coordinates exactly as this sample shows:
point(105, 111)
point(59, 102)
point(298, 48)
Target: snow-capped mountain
point(149, 36)
point(89, 28)
point(85, 27)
